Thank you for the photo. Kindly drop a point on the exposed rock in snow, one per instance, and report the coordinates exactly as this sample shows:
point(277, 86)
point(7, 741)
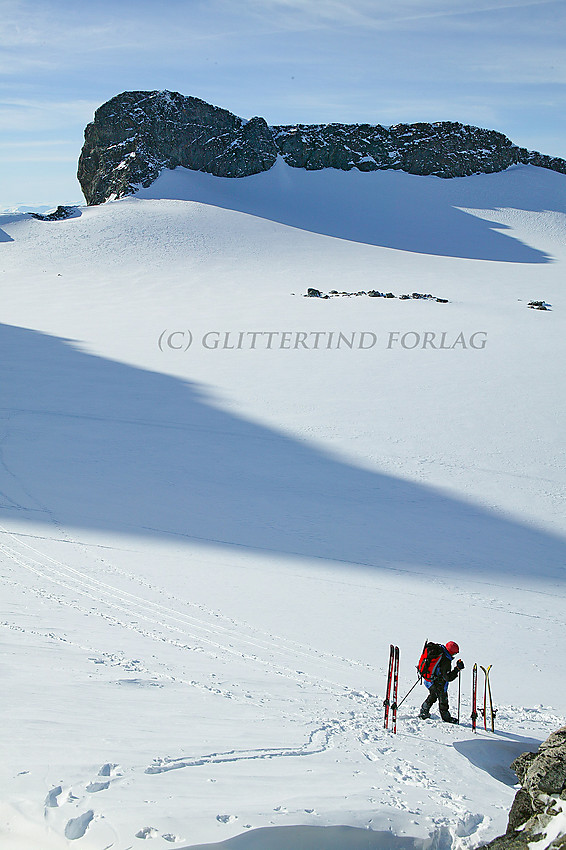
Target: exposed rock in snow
point(538, 815)
point(62, 212)
point(443, 149)
point(135, 135)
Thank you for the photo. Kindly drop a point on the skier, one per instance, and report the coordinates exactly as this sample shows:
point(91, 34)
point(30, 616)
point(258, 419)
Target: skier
point(438, 686)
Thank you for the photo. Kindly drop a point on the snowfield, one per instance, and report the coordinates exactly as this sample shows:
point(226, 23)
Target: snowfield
point(221, 501)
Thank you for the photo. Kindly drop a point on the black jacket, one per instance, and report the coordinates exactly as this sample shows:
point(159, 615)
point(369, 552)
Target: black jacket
point(444, 670)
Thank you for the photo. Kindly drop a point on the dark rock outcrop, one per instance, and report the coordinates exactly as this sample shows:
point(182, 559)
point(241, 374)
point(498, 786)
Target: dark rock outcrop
point(543, 788)
point(137, 134)
point(372, 293)
point(443, 149)
point(59, 214)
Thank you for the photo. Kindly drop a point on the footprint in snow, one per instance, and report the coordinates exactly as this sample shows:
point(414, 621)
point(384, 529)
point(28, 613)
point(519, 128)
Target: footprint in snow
point(147, 832)
point(468, 824)
point(93, 787)
point(226, 818)
point(109, 769)
point(51, 800)
point(76, 827)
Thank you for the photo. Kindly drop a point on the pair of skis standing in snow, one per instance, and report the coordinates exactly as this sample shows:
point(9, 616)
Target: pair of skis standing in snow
point(435, 671)
point(486, 694)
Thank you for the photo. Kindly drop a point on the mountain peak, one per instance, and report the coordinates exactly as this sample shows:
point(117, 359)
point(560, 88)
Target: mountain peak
point(137, 134)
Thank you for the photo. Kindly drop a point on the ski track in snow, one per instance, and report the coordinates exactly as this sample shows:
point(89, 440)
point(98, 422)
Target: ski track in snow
point(351, 724)
point(318, 741)
point(189, 627)
point(163, 621)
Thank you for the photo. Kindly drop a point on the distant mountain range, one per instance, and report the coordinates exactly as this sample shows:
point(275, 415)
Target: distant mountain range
point(137, 134)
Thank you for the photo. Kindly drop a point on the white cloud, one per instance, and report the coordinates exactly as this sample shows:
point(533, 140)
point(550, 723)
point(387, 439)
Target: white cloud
point(33, 115)
point(33, 24)
point(37, 143)
point(59, 28)
point(35, 157)
point(119, 37)
point(376, 14)
point(38, 150)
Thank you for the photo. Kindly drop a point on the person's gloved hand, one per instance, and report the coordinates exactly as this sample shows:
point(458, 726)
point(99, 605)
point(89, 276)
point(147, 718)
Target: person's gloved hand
point(460, 664)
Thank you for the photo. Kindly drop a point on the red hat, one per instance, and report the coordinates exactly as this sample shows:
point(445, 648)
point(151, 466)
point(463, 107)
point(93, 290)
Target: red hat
point(452, 647)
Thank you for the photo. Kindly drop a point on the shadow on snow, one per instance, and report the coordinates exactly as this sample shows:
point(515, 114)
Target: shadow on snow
point(495, 754)
point(98, 444)
point(316, 838)
point(391, 209)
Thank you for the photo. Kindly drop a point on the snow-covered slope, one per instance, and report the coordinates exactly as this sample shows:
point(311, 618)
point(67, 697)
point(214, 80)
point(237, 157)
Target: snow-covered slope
point(207, 548)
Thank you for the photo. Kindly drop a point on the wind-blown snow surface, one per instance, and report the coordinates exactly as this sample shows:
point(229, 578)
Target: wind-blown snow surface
point(206, 552)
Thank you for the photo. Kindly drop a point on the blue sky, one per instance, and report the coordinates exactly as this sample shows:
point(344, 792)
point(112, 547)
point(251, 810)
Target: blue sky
point(498, 64)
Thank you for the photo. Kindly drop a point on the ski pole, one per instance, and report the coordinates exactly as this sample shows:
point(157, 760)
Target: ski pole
point(408, 692)
point(459, 691)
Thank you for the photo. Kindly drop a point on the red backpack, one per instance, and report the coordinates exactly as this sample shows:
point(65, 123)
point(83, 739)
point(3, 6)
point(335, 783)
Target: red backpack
point(429, 660)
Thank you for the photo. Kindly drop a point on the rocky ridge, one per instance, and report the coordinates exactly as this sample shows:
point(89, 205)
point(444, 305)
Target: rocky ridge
point(137, 134)
point(538, 813)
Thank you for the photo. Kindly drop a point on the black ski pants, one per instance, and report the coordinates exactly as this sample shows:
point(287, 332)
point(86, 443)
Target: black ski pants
point(437, 692)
